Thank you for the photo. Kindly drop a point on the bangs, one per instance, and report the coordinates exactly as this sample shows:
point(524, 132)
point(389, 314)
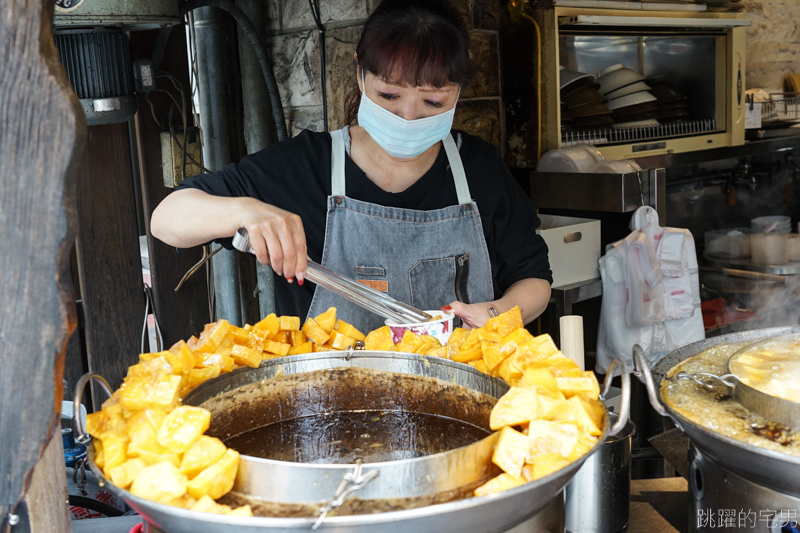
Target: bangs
point(416, 43)
point(418, 60)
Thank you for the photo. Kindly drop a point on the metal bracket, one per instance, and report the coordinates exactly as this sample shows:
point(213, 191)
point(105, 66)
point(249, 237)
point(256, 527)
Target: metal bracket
point(352, 482)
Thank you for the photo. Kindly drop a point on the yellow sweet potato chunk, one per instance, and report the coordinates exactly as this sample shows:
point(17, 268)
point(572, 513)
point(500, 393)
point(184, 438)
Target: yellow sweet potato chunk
point(225, 362)
point(150, 391)
point(99, 453)
point(115, 449)
point(200, 375)
point(470, 349)
point(551, 437)
point(107, 420)
point(246, 356)
point(289, 323)
point(296, 338)
point(281, 336)
point(340, 341)
point(207, 505)
point(158, 364)
point(511, 451)
point(326, 320)
point(505, 323)
point(161, 482)
point(541, 377)
point(438, 351)
point(182, 427)
point(123, 475)
point(226, 345)
point(324, 348)
point(212, 336)
point(586, 384)
point(518, 405)
point(277, 348)
point(509, 371)
point(184, 502)
point(546, 464)
point(346, 329)
point(379, 339)
point(142, 429)
point(579, 411)
point(202, 454)
point(269, 323)
point(455, 341)
point(479, 365)
point(306, 347)
point(315, 332)
point(410, 342)
point(499, 484)
point(217, 479)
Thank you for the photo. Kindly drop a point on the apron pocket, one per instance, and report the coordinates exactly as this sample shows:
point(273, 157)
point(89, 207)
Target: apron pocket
point(433, 283)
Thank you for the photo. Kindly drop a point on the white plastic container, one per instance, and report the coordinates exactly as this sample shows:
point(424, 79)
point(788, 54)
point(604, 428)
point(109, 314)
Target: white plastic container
point(768, 249)
point(573, 248)
point(734, 242)
point(441, 328)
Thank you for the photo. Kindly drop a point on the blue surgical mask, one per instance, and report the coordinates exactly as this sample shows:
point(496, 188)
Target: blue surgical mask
point(400, 137)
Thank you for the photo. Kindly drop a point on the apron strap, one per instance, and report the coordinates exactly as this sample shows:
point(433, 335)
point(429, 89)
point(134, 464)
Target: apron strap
point(337, 163)
point(459, 176)
point(453, 157)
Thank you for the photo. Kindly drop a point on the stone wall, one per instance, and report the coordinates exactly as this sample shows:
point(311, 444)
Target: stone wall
point(294, 43)
point(773, 42)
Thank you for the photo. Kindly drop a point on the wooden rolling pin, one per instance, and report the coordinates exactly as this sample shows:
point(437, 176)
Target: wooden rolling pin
point(746, 274)
point(571, 327)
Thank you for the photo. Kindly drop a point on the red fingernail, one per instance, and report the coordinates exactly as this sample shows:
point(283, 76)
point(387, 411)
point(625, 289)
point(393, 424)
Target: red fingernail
point(447, 308)
point(300, 279)
point(290, 280)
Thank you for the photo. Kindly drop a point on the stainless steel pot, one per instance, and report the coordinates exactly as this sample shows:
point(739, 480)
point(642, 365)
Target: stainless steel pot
point(492, 513)
point(597, 499)
point(767, 468)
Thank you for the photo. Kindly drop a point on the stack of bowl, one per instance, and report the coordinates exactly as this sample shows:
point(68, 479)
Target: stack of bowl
point(672, 104)
point(583, 107)
point(772, 224)
point(578, 158)
point(629, 97)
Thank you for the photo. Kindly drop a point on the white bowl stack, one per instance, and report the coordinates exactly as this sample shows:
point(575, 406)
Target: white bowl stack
point(772, 224)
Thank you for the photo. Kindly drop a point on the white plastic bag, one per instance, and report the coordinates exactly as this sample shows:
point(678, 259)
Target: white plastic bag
point(672, 317)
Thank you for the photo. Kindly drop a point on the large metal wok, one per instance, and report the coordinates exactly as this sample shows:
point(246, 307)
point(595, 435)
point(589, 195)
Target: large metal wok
point(491, 513)
point(768, 468)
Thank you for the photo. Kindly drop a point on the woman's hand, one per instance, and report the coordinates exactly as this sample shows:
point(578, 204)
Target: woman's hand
point(277, 237)
point(471, 315)
point(530, 295)
point(190, 217)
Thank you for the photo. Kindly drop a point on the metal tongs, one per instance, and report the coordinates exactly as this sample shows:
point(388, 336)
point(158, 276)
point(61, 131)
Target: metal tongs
point(361, 295)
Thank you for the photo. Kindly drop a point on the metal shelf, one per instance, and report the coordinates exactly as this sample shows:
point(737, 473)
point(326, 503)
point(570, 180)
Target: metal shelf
point(790, 141)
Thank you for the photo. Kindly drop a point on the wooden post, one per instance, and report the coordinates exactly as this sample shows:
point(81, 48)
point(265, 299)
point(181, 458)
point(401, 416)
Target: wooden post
point(42, 134)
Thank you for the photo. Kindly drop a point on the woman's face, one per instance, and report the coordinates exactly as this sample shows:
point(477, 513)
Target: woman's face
point(407, 102)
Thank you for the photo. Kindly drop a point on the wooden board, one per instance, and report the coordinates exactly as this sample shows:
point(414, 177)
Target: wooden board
point(183, 313)
point(109, 264)
point(42, 133)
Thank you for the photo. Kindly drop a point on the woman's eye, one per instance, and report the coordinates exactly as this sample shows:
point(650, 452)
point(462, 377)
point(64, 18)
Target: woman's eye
point(431, 103)
point(387, 96)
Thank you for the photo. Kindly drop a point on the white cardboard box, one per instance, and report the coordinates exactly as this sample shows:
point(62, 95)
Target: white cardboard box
point(573, 248)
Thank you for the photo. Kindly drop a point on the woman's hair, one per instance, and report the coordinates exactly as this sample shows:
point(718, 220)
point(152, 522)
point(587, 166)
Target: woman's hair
point(416, 42)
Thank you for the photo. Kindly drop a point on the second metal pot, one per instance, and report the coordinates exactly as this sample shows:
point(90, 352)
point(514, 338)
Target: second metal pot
point(597, 499)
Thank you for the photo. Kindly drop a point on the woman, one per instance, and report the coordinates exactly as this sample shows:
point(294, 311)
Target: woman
point(397, 202)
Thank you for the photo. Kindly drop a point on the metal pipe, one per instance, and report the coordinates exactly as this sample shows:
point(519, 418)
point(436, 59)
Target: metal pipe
point(214, 39)
point(259, 125)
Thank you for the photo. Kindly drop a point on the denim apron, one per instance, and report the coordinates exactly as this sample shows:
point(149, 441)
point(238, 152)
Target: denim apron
point(424, 258)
